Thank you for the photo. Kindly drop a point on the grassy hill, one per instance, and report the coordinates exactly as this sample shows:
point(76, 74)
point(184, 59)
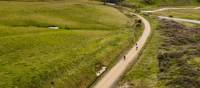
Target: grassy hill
point(33, 56)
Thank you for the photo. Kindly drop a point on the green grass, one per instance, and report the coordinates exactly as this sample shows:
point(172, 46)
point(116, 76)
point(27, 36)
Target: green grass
point(64, 15)
point(186, 14)
point(28, 60)
point(195, 62)
point(33, 56)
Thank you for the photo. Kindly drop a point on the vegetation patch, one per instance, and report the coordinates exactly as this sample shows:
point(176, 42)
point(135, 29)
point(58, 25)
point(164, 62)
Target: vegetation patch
point(181, 45)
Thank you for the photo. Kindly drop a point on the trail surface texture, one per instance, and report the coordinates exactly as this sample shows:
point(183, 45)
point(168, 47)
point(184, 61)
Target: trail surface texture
point(179, 19)
point(119, 69)
point(164, 9)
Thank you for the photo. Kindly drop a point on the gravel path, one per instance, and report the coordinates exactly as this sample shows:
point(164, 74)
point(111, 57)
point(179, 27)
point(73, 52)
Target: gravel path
point(119, 69)
point(179, 19)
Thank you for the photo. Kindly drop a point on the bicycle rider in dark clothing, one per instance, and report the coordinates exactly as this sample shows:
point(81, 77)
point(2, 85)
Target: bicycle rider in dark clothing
point(136, 46)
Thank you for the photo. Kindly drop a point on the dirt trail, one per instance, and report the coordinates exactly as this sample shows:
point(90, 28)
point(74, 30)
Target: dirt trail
point(179, 19)
point(118, 70)
point(164, 9)
point(175, 19)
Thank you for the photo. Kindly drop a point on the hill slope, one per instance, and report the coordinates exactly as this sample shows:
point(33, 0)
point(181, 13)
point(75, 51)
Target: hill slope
point(33, 56)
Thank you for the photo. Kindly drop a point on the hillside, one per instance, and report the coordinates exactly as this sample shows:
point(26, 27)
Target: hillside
point(89, 36)
point(34, 56)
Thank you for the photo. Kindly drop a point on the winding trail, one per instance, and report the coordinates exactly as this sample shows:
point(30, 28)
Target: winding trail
point(175, 19)
point(113, 75)
point(179, 19)
point(164, 9)
point(119, 69)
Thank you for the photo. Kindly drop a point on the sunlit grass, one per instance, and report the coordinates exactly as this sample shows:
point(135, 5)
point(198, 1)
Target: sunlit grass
point(64, 15)
point(33, 56)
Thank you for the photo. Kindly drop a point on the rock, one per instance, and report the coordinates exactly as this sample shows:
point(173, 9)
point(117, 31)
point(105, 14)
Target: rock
point(53, 27)
point(103, 69)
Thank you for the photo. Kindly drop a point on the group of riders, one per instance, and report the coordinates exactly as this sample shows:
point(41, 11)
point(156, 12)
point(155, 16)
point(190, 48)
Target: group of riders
point(136, 47)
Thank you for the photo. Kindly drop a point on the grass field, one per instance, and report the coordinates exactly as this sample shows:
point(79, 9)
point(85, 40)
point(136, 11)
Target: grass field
point(33, 56)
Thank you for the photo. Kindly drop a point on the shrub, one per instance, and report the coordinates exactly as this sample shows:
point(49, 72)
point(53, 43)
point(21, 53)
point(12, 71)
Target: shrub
point(129, 5)
point(148, 1)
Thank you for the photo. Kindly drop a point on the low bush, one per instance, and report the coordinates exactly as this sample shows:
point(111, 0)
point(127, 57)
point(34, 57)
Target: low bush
point(179, 47)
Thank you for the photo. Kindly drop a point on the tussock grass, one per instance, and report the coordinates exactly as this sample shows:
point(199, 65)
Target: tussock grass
point(28, 63)
point(195, 62)
point(180, 46)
